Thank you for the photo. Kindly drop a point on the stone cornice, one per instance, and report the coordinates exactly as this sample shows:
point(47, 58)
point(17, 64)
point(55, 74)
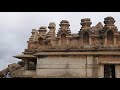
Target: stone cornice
point(78, 53)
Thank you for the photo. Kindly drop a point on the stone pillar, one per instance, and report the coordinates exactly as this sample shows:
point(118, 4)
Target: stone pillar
point(96, 59)
point(89, 65)
point(101, 71)
point(90, 41)
point(115, 40)
point(26, 64)
point(117, 71)
point(95, 67)
point(105, 40)
point(68, 42)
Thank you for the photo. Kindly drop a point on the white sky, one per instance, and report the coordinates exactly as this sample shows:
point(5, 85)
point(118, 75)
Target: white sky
point(16, 27)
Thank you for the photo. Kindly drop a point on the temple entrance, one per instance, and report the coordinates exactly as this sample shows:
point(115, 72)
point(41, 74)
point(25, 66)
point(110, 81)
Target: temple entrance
point(109, 71)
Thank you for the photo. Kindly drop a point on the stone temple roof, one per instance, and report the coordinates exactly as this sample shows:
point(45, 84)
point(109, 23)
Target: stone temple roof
point(43, 27)
point(85, 19)
point(64, 21)
point(96, 28)
point(51, 24)
point(99, 26)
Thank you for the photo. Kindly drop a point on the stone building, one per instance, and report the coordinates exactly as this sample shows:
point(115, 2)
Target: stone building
point(93, 52)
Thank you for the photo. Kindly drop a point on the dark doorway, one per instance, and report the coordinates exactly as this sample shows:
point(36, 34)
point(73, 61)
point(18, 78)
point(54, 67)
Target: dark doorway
point(86, 38)
point(109, 71)
point(110, 37)
point(63, 39)
point(40, 39)
point(32, 64)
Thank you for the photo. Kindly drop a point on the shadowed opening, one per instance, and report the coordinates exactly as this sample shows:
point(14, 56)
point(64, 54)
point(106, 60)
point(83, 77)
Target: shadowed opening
point(63, 39)
point(110, 37)
point(86, 38)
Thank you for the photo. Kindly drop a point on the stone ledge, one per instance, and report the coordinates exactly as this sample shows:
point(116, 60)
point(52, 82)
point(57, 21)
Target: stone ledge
point(78, 53)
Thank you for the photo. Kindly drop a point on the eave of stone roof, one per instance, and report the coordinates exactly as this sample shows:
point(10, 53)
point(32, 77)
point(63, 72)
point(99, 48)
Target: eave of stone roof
point(24, 56)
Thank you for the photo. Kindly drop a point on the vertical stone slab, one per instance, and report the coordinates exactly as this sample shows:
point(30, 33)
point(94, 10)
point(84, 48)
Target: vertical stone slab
point(67, 41)
point(101, 71)
point(95, 67)
point(90, 41)
point(89, 64)
point(105, 40)
point(117, 71)
point(115, 41)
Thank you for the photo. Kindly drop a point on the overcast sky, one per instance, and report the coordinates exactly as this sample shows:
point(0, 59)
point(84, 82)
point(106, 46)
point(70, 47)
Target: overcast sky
point(16, 27)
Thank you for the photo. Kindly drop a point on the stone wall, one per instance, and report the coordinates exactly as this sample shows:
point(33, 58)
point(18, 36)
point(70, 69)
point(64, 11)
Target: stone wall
point(67, 66)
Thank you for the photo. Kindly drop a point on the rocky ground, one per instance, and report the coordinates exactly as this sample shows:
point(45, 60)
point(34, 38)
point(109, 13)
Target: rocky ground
point(11, 68)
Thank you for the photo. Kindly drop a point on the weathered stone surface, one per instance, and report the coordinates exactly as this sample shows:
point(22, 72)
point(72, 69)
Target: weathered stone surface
point(61, 72)
point(76, 66)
